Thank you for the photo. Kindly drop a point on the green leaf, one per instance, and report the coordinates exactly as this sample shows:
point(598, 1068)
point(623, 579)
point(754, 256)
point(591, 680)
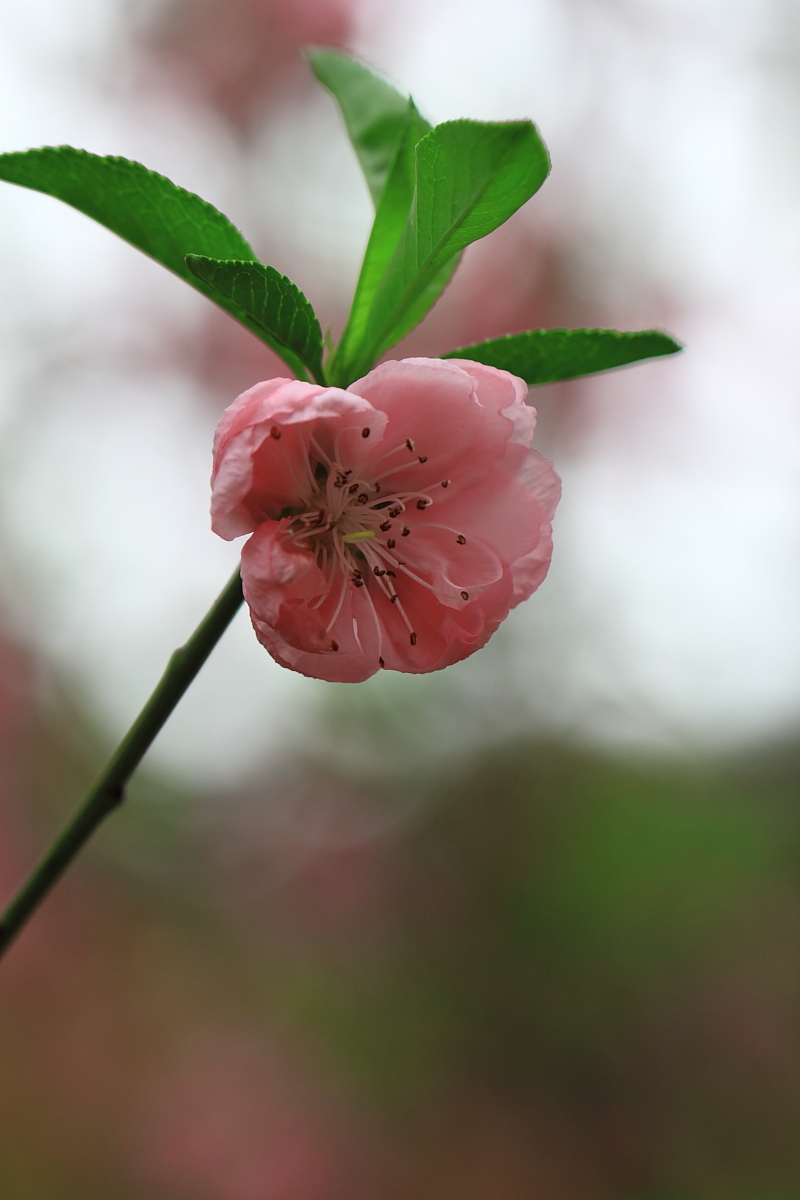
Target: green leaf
point(169, 224)
point(548, 355)
point(375, 113)
point(470, 176)
point(269, 304)
point(387, 229)
point(146, 209)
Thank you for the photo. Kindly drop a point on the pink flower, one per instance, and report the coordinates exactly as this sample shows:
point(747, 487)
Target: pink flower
point(393, 524)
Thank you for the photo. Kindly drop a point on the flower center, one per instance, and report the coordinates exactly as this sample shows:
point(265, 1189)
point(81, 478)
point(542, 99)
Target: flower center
point(356, 527)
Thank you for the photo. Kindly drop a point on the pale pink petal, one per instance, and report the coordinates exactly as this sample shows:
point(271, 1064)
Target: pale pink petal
point(505, 394)
point(261, 457)
point(443, 635)
point(282, 588)
point(434, 553)
point(435, 409)
point(527, 573)
point(540, 478)
point(500, 511)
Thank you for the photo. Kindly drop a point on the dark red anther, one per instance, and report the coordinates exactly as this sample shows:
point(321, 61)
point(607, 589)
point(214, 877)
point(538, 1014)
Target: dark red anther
point(275, 432)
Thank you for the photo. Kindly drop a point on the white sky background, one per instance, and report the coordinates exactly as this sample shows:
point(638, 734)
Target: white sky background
point(670, 614)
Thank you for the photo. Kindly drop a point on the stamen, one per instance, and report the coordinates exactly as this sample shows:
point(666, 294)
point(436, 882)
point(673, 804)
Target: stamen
point(307, 460)
point(391, 543)
point(323, 456)
point(387, 454)
point(385, 526)
point(405, 532)
point(376, 619)
point(353, 489)
point(406, 569)
point(395, 510)
point(447, 528)
point(445, 483)
point(465, 595)
point(334, 645)
point(423, 458)
point(412, 638)
point(410, 444)
point(365, 432)
point(381, 663)
point(363, 498)
point(338, 608)
point(395, 599)
point(392, 470)
point(276, 433)
point(424, 503)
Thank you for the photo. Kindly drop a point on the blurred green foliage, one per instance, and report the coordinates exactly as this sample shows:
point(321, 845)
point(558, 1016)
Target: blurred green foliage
point(559, 973)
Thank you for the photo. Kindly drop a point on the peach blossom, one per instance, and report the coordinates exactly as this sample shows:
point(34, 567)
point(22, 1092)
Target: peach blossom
point(393, 524)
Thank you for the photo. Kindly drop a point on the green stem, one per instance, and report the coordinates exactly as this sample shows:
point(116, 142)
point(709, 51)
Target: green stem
point(108, 791)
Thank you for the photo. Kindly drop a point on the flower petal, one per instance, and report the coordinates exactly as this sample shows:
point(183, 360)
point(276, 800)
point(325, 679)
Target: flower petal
point(283, 587)
point(505, 394)
point(434, 415)
point(261, 449)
